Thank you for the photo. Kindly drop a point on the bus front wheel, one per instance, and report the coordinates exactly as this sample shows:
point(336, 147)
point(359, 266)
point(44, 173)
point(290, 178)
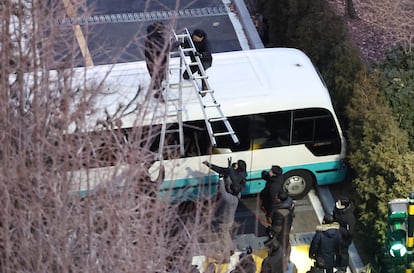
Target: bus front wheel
point(297, 183)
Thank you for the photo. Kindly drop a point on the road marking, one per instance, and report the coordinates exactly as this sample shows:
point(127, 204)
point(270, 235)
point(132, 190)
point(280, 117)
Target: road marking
point(146, 15)
point(79, 34)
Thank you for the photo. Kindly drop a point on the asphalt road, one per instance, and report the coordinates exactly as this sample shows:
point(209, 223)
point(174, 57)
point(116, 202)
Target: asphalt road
point(114, 31)
point(251, 222)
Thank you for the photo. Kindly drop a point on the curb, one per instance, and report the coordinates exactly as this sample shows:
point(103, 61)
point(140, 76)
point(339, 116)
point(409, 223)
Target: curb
point(252, 36)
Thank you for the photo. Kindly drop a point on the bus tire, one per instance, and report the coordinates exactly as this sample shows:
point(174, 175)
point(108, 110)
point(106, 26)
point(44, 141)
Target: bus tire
point(297, 183)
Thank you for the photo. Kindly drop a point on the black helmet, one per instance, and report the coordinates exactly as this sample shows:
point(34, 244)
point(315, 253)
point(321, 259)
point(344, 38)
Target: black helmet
point(276, 169)
point(200, 33)
point(241, 165)
point(328, 219)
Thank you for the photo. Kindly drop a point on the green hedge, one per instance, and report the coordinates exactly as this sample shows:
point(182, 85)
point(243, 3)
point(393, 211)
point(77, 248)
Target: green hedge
point(378, 146)
point(397, 82)
point(380, 156)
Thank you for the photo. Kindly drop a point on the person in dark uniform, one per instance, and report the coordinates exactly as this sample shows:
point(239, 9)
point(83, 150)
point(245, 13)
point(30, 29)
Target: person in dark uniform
point(273, 187)
point(326, 244)
point(203, 47)
point(157, 47)
point(235, 173)
point(343, 213)
point(282, 219)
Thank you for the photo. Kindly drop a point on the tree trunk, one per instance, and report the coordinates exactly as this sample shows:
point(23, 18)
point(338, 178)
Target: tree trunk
point(350, 9)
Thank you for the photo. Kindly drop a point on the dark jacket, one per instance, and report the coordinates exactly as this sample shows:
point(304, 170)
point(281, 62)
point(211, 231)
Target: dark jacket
point(156, 49)
point(204, 50)
point(326, 244)
point(346, 219)
point(235, 176)
point(271, 190)
point(282, 215)
point(273, 263)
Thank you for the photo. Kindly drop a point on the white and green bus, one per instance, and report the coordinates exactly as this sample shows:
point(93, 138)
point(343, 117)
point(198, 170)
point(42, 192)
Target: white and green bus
point(277, 104)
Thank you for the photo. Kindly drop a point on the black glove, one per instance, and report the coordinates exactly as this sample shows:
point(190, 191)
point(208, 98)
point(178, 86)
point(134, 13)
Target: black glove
point(265, 175)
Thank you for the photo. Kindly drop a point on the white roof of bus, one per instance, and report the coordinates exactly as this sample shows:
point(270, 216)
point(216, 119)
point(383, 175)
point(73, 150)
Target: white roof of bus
point(244, 82)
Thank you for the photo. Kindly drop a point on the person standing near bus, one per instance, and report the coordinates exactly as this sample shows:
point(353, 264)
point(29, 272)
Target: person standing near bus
point(273, 187)
point(343, 213)
point(203, 51)
point(326, 244)
point(226, 202)
point(282, 219)
point(156, 53)
point(235, 173)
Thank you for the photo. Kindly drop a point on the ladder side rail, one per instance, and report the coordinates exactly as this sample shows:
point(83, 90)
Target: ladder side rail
point(169, 102)
point(164, 119)
point(180, 110)
point(180, 101)
point(229, 127)
point(208, 125)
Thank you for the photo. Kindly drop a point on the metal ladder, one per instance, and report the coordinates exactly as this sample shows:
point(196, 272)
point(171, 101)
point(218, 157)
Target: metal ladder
point(171, 113)
point(211, 108)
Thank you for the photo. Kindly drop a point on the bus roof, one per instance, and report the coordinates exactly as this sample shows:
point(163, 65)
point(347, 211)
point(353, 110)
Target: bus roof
point(244, 82)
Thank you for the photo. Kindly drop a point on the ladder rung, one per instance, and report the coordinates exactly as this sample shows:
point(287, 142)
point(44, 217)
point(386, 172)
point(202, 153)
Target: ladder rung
point(217, 119)
point(177, 85)
point(190, 49)
point(172, 147)
point(172, 99)
point(200, 77)
point(169, 114)
point(203, 92)
point(184, 35)
point(193, 64)
point(172, 131)
point(212, 105)
point(224, 133)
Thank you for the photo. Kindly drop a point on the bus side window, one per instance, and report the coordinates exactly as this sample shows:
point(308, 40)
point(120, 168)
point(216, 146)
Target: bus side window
point(259, 132)
point(316, 128)
point(196, 139)
point(241, 126)
point(272, 130)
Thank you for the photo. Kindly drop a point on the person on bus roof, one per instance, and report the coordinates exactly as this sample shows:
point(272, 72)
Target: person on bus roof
point(156, 53)
point(203, 51)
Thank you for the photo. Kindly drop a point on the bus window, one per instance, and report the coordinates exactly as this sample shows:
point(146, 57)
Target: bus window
point(196, 139)
point(241, 126)
point(270, 130)
point(316, 128)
